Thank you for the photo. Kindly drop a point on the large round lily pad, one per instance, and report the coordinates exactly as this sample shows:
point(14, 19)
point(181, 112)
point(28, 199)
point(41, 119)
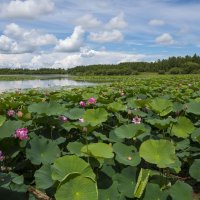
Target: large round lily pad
point(129, 131)
point(116, 107)
point(159, 152)
point(78, 188)
point(126, 154)
point(67, 165)
point(98, 150)
point(43, 177)
point(194, 108)
point(95, 117)
point(42, 150)
point(51, 108)
point(181, 191)
point(161, 106)
point(183, 128)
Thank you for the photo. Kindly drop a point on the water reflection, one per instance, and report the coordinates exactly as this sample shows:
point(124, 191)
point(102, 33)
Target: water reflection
point(51, 83)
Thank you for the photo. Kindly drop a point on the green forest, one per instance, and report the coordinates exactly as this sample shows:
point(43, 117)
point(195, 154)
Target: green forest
point(172, 65)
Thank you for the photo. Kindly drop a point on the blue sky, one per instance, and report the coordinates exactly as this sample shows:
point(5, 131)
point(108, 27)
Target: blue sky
point(67, 33)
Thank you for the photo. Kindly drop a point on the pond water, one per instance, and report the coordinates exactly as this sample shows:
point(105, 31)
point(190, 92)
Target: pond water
point(55, 83)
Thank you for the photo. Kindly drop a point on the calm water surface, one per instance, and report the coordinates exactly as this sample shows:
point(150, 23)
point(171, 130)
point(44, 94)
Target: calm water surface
point(41, 84)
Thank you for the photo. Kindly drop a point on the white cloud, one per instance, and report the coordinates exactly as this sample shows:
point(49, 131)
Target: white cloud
point(19, 40)
point(117, 22)
point(106, 36)
point(165, 39)
point(72, 43)
point(6, 44)
point(88, 21)
point(156, 22)
point(26, 9)
point(13, 30)
point(68, 60)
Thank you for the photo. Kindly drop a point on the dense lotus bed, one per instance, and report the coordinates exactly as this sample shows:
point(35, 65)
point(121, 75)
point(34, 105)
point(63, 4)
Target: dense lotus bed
point(135, 139)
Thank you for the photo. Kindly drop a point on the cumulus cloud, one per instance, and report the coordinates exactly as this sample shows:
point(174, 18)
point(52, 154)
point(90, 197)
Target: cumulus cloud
point(68, 60)
point(72, 43)
point(26, 9)
point(117, 22)
point(88, 21)
point(106, 36)
point(156, 22)
point(6, 44)
point(165, 39)
point(19, 40)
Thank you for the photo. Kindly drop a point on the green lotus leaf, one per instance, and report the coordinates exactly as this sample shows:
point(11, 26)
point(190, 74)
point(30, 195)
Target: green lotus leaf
point(95, 117)
point(196, 135)
point(126, 181)
point(42, 150)
point(130, 130)
point(78, 188)
point(49, 109)
point(141, 182)
point(100, 136)
point(195, 170)
point(176, 166)
point(2, 120)
point(131, 103)
point(153, 192)
point(181, 190)
point(159, 152)
point(126, 154)
point(43, 177)
point(68, 126)
point(111, 193)
point(183, 128)
point(193, 107)
point(116, 107)
point(75, 148)
point(17, 179)
point(8, 128)
point(161, 106)
point(183, 144)
point(88, 95)
point(160, 123)
point(98, 150)
point(141, 103)
point(139, 113)
point(74, 113)
point(64, 166)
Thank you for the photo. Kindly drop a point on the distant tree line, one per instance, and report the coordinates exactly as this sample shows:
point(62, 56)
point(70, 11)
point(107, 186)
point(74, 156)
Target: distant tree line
point(172, 65)
point(32, 71)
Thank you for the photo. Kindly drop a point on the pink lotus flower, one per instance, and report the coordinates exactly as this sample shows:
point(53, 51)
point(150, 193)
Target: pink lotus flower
point(21, 133)
point(11, 113)
point(63, 118)
point(2, 157)
point(92, 100)
point(81, 120)
point(82, 104)
point(136, 120)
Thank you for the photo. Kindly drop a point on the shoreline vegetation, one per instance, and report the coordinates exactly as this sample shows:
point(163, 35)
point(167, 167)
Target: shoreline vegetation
point(172, 65)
